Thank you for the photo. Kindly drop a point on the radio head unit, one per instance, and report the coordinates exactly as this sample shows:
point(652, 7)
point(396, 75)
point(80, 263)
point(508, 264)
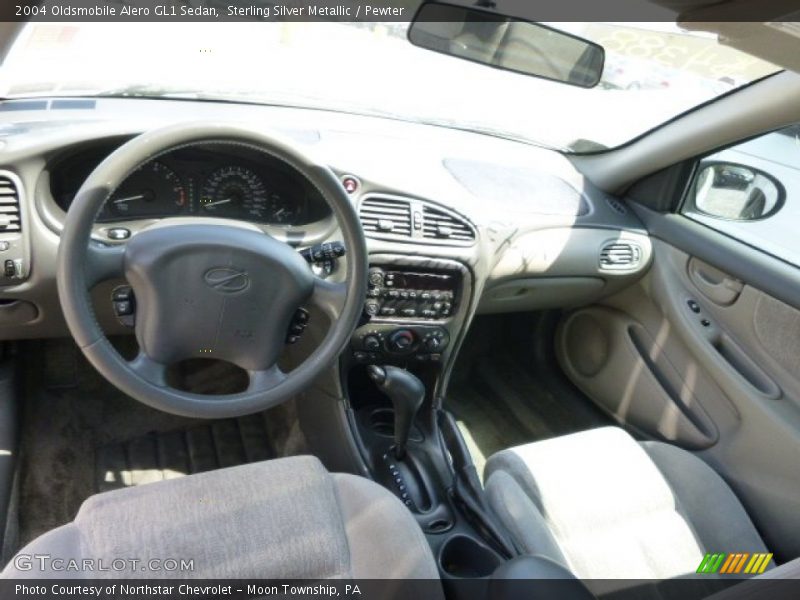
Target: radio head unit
point(412, 293)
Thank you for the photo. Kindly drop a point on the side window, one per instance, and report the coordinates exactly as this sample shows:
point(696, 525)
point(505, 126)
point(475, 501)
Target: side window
point(751, 192)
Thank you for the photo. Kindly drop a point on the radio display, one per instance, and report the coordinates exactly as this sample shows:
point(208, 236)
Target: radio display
point(419, 281)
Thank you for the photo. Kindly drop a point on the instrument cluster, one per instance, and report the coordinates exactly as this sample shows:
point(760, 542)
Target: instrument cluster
point(212, 180)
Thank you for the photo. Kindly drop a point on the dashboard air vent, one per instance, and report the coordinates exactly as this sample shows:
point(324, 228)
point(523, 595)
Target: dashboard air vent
point(620, 256)
point(10, 218)
point(440, 225)
point(386, 216)
point(413, 220)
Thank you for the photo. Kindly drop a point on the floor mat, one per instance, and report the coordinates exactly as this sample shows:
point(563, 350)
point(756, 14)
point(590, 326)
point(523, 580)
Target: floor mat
point(508, 390)
point(75, 423)
point(159, 456)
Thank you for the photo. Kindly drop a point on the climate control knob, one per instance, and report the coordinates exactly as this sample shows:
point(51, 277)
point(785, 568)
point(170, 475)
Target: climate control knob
point(401, 340)
point(372, 343)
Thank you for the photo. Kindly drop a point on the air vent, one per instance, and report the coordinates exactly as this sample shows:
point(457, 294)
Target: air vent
point(412, 220)
point(439, 225)
point(386, 216)
point(616, 206)
point(620, 256)
point(9, 206)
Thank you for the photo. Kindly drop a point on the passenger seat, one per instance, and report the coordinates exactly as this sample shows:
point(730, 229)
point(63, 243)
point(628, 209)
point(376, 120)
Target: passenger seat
point(610, 508)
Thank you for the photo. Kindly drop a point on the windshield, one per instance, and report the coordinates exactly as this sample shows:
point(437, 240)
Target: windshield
point(653, 72)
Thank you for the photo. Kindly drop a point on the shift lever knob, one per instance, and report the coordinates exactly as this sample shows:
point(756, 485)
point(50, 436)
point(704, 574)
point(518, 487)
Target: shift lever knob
point(407, 393)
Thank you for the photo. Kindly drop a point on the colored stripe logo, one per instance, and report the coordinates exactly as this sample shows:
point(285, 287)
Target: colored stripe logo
point(733, 563)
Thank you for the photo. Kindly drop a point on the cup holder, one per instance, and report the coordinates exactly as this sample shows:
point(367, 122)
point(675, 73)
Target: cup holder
point(381, 420)
point(463, 556)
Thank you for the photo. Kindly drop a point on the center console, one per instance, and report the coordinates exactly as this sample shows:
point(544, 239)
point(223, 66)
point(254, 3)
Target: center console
point(415, 313)
point(410, 314)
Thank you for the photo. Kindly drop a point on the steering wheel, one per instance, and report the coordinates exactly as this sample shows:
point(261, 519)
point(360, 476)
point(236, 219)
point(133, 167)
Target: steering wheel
point(207, 287)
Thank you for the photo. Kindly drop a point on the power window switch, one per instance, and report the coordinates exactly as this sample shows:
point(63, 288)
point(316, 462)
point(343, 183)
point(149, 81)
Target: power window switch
point(9, 270)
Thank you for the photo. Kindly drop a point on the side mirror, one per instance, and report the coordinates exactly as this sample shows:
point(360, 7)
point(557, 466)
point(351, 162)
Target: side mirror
point(508, 43)
point(736, 192)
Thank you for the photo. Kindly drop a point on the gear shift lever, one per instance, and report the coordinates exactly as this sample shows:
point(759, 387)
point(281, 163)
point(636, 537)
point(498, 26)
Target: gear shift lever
point(407, 393)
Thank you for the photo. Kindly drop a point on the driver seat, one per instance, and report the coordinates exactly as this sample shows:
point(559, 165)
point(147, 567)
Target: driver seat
point(279, 519)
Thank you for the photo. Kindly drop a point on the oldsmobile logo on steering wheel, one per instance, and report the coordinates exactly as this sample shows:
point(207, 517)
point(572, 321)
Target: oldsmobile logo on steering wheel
point(227, 280)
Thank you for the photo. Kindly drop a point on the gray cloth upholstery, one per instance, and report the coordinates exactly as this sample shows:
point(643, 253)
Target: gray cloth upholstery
point(607, 507)
point(278, 519)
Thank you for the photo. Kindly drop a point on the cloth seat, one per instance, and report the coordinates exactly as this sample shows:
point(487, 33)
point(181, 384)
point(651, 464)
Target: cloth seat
point(279, 519)
point(610, 508)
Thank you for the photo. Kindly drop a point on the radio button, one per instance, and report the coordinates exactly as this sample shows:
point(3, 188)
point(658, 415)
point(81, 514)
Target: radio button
point(376, 276)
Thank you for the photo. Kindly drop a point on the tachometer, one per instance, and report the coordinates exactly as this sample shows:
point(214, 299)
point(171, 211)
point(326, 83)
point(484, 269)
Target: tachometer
point(153, 190)
point(236, 193)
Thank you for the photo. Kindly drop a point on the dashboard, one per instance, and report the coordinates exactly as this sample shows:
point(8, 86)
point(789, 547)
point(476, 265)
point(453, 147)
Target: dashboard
point(518, 227)
point(222, 180)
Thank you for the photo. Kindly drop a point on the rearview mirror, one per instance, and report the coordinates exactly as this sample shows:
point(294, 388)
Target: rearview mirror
point(736, 192)
point(507, 43)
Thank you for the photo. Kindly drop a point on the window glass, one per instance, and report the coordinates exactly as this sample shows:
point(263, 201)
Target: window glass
point(751, 192)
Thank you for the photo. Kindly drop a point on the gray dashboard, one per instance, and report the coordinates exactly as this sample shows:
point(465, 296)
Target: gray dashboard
point(536, 233)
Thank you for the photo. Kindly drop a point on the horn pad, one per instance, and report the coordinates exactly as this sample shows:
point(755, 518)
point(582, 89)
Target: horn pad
point(214, 291)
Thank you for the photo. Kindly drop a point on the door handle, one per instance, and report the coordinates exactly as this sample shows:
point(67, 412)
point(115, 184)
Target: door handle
point(716, 285)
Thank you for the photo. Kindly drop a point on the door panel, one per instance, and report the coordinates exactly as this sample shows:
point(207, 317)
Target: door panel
point(725, 355)
point(616, 360)
point(717, 286)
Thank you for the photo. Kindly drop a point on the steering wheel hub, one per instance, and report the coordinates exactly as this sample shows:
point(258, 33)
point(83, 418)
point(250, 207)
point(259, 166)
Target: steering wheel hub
point(216, 291)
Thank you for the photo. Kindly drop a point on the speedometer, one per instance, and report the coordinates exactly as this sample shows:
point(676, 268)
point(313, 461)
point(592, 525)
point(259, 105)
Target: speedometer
point(236, 193)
